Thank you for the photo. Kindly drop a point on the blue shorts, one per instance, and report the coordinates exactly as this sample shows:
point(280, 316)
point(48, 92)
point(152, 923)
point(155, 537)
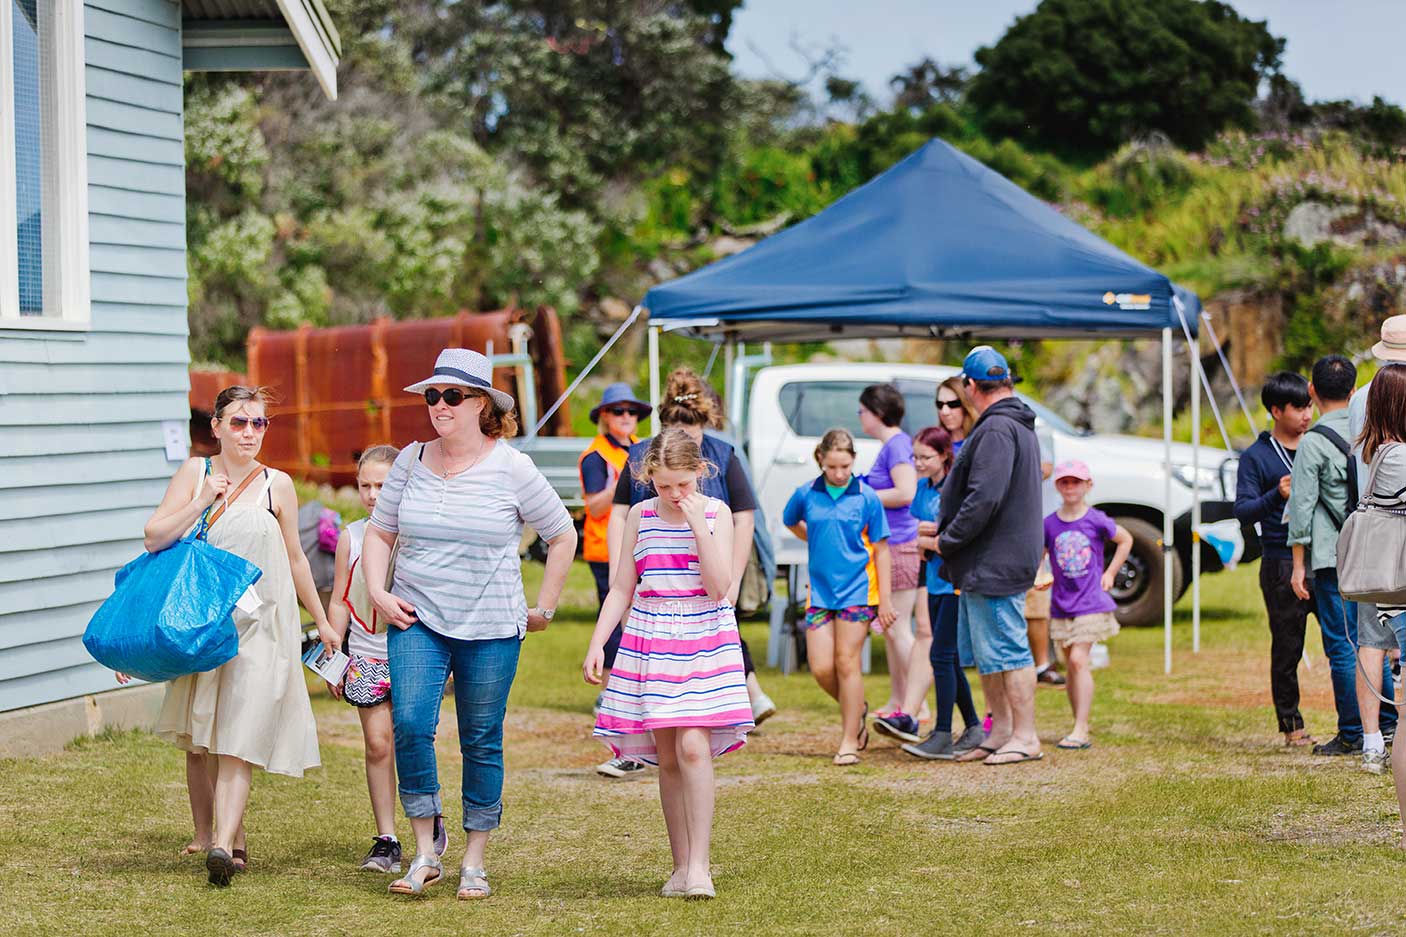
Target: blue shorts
point(995, 627)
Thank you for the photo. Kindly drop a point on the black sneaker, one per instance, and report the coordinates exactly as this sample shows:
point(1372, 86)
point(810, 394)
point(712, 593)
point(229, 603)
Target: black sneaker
point(899, 726)
point(1336, 746)
point(936, 747)
point(384, 855)
point(441, 835)
point(620, 768)
point(1050, 677)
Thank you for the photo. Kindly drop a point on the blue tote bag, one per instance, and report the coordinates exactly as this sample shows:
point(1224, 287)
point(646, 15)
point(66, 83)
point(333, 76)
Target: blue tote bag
point(169, 613)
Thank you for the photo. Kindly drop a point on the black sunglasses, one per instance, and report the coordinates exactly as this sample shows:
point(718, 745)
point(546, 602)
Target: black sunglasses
point(238, 423)
point(453, 396)
point(949, 405)
point(623, 411)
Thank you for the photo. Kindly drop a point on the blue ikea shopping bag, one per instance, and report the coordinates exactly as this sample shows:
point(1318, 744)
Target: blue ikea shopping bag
point(169, 613)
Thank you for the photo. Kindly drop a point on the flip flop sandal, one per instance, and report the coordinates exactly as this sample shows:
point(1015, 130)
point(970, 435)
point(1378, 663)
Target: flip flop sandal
point(845, 760)
point(1070, 744)
point(220, 866)
point(1024, 757)
point(969, 755)
point(240, 858)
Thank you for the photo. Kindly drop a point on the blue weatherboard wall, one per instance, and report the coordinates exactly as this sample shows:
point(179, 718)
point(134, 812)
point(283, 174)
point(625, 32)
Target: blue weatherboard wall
point(81, 454)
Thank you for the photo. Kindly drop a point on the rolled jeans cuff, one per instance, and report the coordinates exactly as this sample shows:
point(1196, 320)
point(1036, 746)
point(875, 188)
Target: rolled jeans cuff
point(482, 819)
point(421, 805)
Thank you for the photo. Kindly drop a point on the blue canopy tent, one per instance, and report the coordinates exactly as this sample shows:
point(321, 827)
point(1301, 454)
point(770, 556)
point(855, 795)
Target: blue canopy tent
point(938, 246)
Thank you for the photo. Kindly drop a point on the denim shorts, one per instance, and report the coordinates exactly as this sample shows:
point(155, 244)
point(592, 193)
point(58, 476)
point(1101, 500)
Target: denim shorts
point(1372, 631)
point(995, 625)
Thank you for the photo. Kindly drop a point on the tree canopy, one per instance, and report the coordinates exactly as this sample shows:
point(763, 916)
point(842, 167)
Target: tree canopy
point(1084, 76)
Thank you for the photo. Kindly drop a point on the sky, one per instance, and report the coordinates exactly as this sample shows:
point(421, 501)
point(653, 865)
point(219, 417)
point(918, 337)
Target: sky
point(1353, 52)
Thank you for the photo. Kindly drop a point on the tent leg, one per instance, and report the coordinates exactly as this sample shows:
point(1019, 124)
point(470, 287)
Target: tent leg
point(1167, 555)
point(654, 378)
point(729, 356)
point(1193, 351)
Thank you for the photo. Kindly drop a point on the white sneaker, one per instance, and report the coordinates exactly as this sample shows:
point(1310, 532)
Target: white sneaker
point(1374, 762)
point(620, 768)
point(762, 709)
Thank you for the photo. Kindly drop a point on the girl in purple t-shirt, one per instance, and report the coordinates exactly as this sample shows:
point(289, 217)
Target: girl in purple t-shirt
point(1081, 610)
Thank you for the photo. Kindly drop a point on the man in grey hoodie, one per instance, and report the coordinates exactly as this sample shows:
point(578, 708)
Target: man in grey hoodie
point(990, 537)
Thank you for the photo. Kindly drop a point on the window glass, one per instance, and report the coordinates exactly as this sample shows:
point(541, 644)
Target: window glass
point(812, 407)
point(33, 132)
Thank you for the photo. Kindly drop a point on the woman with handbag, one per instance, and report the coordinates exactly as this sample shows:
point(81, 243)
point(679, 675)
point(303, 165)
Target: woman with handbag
point(253, 710)
point(455, 507)
point(1372, 546)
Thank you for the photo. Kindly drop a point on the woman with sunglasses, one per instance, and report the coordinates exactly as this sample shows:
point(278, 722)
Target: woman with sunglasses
point(954, 411)
point(254, 710)
point(457, 506)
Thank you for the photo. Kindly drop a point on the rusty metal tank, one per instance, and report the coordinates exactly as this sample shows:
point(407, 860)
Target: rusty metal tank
point(338, 390)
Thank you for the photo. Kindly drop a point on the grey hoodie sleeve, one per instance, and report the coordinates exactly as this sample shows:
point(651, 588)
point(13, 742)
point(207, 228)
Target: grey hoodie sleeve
point(988, 482)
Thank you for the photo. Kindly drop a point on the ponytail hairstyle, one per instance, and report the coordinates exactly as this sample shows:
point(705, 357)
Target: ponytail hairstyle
point(675, 450)
point(240, 393)
point(835, 440)
point(687, 401)
point(938, 440)
point(377, 455)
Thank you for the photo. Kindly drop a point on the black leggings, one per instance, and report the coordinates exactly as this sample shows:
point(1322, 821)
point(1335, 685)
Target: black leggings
point(947, 674)
point(601, 572)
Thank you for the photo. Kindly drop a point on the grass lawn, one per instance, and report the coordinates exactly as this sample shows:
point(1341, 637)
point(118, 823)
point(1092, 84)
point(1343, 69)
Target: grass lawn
point(1186, 817)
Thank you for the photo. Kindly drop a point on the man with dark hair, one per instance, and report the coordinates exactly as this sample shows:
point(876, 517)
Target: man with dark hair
point(1261, 499)
point(990, 539)
point(1323, 492)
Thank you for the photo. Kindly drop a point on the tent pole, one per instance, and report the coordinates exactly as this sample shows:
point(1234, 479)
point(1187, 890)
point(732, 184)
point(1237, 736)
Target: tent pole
point(654, 378)
point(729, 356)
point(1167, 535)
point(1193, 352)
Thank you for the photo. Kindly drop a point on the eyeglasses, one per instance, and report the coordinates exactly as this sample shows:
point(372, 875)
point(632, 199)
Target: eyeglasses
point(949, 405)
point(453, 396)
point(623, 411)
point(240, 423)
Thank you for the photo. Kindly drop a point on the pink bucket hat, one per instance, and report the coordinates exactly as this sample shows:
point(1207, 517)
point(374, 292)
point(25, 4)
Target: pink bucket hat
point(1073, 469)
point(1392, 347)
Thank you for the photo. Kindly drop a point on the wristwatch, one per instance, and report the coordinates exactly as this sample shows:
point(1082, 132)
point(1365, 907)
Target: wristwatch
point(547, 613)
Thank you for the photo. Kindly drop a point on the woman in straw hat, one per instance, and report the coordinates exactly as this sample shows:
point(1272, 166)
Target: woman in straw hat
point(457, 505)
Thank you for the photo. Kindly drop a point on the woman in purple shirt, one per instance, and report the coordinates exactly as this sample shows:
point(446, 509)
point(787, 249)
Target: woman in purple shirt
point(895, 480)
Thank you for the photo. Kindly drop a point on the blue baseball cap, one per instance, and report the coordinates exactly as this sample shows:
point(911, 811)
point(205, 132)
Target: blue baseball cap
point(616, 394)
point(984, 363)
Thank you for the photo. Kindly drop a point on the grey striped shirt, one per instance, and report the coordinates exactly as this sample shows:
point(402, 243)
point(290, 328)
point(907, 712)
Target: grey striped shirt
point(459, 537)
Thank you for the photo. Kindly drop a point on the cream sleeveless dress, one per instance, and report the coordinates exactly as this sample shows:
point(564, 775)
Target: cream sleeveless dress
point(255, 707)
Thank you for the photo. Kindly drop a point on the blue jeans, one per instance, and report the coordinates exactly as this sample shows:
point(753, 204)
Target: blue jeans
point(1337, 620)
point(421, 661)
point(948, 677)
point(996, 625)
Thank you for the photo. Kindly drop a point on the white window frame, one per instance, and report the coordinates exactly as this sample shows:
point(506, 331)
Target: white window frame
point(71, 301)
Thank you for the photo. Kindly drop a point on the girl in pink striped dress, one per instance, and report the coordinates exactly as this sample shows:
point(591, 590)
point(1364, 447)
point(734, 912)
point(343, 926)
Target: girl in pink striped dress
point(677, 696)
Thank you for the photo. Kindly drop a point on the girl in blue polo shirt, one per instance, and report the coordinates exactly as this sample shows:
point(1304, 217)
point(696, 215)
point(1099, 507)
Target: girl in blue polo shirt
point(842, 521)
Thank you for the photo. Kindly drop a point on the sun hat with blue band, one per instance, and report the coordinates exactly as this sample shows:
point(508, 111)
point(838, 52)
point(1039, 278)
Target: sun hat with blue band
point(460, 367)
point(620, 393)
point(984, 363)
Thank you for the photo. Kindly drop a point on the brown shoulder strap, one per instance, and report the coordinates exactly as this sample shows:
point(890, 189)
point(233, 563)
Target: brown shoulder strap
point(230, 498)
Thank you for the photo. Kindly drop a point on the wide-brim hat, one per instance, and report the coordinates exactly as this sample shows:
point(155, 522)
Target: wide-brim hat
point(620, 393)
point(1392, 347)
point(461, 367)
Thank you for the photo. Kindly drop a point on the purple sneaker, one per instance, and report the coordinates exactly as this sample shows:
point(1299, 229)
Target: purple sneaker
point(899, 726)
point(441, 836)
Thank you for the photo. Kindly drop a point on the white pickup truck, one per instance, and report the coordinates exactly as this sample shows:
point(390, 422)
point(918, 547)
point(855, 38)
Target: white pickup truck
point(790, 407)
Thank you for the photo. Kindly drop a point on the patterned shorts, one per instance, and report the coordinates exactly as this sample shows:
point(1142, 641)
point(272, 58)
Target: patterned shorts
point(367, 683)
point(820, 617)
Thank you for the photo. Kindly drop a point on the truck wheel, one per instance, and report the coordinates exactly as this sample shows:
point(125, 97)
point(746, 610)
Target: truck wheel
point(1138, 586)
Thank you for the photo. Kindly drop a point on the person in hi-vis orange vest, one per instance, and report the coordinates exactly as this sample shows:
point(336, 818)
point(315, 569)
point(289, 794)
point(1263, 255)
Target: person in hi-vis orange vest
point(616, 416)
